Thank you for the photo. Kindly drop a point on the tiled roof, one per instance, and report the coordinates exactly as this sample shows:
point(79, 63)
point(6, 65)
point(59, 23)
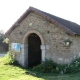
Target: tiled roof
point(70, 27)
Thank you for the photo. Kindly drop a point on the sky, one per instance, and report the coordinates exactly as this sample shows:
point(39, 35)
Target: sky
point(11, 10)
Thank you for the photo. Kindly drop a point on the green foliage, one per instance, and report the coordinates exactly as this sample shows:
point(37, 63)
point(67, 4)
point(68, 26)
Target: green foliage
point(61, 68)
point(8, 59)
point(74, 66)
point(1, 36)
point(50, 66)
point(46, 66)
point(3, 46)
point(10, 72)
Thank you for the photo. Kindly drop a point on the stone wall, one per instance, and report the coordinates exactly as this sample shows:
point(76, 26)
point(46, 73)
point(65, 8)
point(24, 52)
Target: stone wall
point(53, 38)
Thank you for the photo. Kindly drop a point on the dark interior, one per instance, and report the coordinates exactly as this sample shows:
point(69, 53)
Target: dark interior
point(34, 51)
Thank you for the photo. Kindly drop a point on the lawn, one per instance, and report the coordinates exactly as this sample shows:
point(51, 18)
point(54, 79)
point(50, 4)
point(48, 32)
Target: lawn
point(10, 72)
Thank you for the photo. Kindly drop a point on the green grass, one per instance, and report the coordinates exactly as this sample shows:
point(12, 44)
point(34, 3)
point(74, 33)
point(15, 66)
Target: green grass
point(10, 72)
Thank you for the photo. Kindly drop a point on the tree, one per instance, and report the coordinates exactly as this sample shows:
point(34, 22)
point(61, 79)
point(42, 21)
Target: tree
point(3, 46)
point(1, 36)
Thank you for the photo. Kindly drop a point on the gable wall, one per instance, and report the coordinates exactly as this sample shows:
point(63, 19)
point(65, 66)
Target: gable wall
point(53, 37)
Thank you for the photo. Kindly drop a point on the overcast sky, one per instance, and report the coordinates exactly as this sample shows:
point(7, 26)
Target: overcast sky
point(11, 10)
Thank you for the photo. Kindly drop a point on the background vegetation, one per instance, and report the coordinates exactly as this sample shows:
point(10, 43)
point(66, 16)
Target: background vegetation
point(3, 46)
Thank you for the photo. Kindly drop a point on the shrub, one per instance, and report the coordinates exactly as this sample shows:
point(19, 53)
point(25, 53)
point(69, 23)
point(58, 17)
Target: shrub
point(61, 68)
point(74, 66)
point(50, 66)
point(46, 66)
point(8, 59)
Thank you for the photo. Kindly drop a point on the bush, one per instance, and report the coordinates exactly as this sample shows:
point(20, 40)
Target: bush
point(74, 66)
point(50, 66)
point(46, 66)
point(61, 68)
point(8, 59)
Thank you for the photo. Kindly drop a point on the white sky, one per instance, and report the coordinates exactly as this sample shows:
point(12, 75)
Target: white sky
point(11, 10)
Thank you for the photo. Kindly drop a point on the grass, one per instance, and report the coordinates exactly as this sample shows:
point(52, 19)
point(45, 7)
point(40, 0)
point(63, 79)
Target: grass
point(10, 72)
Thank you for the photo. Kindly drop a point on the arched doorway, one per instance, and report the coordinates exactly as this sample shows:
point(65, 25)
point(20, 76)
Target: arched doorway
point(25, 50)
point(34, 51)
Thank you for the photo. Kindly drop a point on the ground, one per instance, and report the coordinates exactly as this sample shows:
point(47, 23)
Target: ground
point(10, 72)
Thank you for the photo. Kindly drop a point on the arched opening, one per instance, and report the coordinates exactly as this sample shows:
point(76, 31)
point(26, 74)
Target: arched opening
point(38, 53)
point(34, 51)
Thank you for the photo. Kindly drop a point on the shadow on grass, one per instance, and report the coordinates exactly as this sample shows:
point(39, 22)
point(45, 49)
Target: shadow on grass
point(53, 76)
point(44, 76)
point(50, 76)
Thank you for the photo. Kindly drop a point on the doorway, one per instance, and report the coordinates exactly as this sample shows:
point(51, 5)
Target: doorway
point(34, 51)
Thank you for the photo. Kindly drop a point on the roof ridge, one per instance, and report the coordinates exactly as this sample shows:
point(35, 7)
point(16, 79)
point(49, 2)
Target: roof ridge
point(52, 20)
point(66, 25)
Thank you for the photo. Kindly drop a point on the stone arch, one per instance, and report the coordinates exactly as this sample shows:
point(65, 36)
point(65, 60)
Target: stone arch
point(24, 47)
point(33, 31)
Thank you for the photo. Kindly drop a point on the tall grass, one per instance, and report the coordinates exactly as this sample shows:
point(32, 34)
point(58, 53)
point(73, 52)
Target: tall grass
point(8, 59)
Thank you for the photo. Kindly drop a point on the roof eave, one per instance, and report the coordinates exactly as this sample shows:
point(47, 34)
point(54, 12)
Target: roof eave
point(17, 22)
point(41, 14)
point(53, 21)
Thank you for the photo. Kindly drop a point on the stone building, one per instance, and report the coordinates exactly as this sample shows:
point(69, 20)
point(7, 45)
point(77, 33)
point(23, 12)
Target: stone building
point(44, 36)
